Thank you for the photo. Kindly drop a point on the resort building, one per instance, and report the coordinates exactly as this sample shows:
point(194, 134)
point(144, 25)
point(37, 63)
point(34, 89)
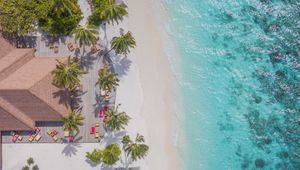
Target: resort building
point(27, 95)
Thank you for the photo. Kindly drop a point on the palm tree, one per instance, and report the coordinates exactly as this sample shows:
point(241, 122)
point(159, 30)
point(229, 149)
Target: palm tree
point(122, 44)
point(135, 149)
point(86, 35)
point(111, 154)
point(60, 6)
point(72, 122)
point(116, 120)
point(95, 156)
point(107, 80)
point(113, 12)
point(66, 75)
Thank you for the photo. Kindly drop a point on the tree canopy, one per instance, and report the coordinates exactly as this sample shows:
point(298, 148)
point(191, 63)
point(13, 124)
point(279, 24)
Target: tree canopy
point(135, 149)
point(66, 75)
point(123, 43)
point(86, 36)
point(21, 16)
point(107, 10)
point(72, 122)
point(116, 120)
point(111, 154)
point(107, 80)
point(62, 19)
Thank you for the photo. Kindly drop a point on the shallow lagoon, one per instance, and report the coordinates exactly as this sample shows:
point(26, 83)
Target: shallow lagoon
point(240, 82)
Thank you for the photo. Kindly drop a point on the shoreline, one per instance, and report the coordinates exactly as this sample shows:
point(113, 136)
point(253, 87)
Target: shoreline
point(146, 91)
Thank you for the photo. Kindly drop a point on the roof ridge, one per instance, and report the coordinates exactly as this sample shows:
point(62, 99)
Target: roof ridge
point(16, 65)
point(29, 90)
point(15, 112)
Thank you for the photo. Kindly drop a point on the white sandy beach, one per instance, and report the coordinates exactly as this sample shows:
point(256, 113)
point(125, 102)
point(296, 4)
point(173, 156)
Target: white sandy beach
point(145, 93)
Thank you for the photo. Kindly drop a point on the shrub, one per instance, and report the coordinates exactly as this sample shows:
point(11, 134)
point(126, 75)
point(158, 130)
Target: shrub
point(94, 156)
point(25, 168)
point(30, 161)
point(35, 167)
point(59, 25)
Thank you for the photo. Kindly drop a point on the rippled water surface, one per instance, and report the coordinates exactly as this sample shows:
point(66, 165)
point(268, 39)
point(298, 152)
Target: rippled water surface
point(240, 82)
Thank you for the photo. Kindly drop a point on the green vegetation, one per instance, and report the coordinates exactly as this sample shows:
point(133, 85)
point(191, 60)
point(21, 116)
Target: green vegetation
point(35, 167)
point(30, 162)
point(86, 36)
point(109, 155)
point(135, 149)
point(95, 156)
point(122, 44)
point(107, 80)
point(21, 16)
point(107, 10)
point(116, 120)
point(55, 17)
point(72, 122)
point(66, 75)
point(62, 19)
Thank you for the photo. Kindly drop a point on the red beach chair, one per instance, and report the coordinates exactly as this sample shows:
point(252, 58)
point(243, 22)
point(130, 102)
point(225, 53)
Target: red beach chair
point(101, 113)
point(14, 138)
point(71, 139)
point(37, 130)
point(105, 108)
point(105, 118)
point(92, 131)
point(54, 132)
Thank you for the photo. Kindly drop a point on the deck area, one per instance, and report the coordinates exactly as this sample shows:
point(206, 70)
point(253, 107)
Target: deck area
point(89, 103)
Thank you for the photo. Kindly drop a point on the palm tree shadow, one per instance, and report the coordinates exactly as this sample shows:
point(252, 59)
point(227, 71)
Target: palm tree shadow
point(122, 65)
point(71, 149)
point(98, 105)
point(113, 137)
point(104, 167)
point(64, 97)
point(76, 101)
point(92, 164)
point(87, 61)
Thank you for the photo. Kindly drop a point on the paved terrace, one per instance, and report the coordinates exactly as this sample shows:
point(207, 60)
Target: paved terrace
point(89, 101)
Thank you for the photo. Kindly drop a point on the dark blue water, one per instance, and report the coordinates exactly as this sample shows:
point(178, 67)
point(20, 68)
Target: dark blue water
point(240, 81)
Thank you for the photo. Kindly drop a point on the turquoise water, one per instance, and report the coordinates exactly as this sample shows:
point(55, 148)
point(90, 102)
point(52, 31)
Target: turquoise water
point(240, 81)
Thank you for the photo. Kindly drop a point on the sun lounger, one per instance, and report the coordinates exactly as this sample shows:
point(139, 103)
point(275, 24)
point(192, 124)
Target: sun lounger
point(92, 130)
point(55, 138)
point(70, 46)
point(49, 131)
point(71, 139)
point(105, 108)
point(66, 133)
point(107, 98)
point(105, 118)
point(31, 138)
point(54, 133)
point(56, 49)
point(20, 138)
point(97, 135)
point(14, 138)
point(38, 137)
point(37, 130)
point(102, 92)
point(101, 113)
point(94, 49)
